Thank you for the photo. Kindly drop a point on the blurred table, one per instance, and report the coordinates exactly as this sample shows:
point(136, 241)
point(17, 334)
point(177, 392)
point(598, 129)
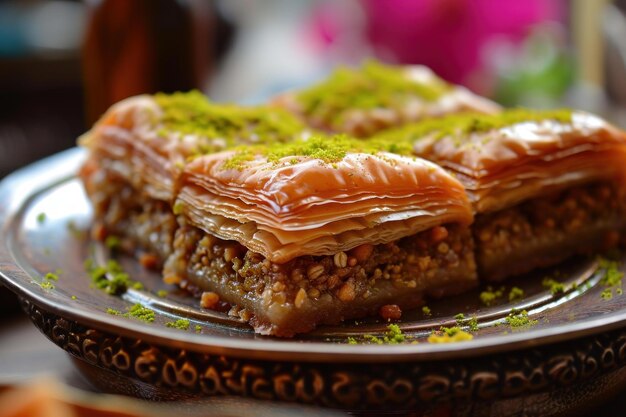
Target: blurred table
point(25, 353)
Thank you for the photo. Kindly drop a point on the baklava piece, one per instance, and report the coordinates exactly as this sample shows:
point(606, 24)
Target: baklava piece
point(291, 232)
point(319, 231)
point(363, 101)
point(139, 148)
point(544, 184)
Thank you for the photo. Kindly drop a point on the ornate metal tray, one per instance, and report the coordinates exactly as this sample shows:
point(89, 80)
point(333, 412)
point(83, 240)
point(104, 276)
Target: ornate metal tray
point(572, 356)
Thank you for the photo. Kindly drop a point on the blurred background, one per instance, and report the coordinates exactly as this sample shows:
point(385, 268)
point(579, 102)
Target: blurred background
point(63, 62)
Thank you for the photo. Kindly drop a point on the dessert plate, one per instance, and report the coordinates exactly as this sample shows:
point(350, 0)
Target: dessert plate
point(567, 352)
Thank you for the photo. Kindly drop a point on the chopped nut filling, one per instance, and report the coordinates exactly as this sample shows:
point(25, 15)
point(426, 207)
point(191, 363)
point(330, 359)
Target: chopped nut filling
point(544, 231)
point(412, 265)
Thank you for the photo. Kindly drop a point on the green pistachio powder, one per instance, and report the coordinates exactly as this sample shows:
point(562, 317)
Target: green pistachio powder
point(192, 113)
point(180, 324)
point(137, 311)
point(333, 148)
point(274, 135)
point(372, 86)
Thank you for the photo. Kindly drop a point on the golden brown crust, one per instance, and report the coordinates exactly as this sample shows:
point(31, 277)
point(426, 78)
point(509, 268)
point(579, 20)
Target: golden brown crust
point(528, 159)
point(367, 122)
point(288, 209)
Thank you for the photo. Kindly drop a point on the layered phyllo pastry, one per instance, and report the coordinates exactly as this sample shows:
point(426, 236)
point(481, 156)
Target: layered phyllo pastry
point(544, 184)
point(289, 228)
point(363, 101)
point(138, 150)
point(286, 231)
point(319, 231)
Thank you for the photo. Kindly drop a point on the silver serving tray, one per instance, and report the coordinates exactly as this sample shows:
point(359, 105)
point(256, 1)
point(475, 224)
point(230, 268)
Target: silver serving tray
point(578, 344)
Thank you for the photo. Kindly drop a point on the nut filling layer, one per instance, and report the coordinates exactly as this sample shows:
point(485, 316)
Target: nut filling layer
point(294, 297)
point(289, 298)
point(547, 230)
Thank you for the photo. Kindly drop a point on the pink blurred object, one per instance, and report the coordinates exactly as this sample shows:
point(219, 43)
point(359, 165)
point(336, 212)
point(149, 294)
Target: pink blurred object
point(447, 35)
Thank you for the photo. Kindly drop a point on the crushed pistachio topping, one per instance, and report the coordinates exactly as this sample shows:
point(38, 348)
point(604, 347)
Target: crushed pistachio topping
point(472, 324)
point(41, 218)
point(426, 311)
point(74, 297)
point(461, 126)
point(331, 149)
point(374, 85)
point(47, 285)
point(328, 149)
point(180, 324)
point(198, 328)
point(137, 311)
point(553, 285)
point(462, 321)
point(222, 126)
point(518, 319)
point(606, 294)
point(490, 295)
point(162, 293)
point(516, 293)
point(611, 278)
point(110, 278)
point(52, 276)
point(393, 336)
point(141, 313)
point(449, 335)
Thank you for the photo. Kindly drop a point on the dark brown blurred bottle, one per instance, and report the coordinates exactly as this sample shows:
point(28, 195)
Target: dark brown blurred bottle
point(144, 46)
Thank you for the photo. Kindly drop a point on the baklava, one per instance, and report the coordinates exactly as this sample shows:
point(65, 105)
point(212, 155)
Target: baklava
point(544, 184)
point(139, 148)
point(291, 228)
point(362, 101)
point(291, 231)
point(319, 231)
